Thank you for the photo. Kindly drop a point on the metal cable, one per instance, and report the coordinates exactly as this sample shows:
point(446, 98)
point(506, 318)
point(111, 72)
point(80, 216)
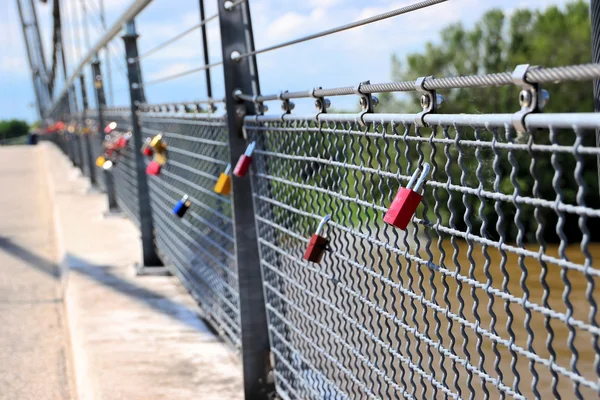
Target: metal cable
point(366, 21)
point(537, 75)
point(177, 37)
point(179, 75)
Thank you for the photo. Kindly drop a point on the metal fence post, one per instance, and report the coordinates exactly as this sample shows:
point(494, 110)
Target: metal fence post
point(236, 35)
point(136, 94)
point(109, 182)
point(88, 145)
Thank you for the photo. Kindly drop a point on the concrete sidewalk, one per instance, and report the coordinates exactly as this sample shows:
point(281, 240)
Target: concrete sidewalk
point(34, 347)
point(131, 337)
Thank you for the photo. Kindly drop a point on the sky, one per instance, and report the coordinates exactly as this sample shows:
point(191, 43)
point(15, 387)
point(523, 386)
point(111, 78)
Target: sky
point(342, 59)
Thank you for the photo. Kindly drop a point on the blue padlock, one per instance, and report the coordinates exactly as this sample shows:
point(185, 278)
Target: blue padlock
point(182, 206)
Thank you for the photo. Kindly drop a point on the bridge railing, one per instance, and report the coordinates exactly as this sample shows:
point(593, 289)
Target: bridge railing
point(489, 291)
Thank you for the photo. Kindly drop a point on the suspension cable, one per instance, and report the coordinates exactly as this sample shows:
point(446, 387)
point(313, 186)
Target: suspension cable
point(537, 75)
point(177, 37)
point(179, 75)
point(366, 21)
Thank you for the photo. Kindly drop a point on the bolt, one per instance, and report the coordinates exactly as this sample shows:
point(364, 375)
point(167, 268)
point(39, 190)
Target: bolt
point(135, 86)
point(327, 103)
point(375, 101)
point(228, 5)
point(235, 55)
point(544, 98)
point(292, 106)
point(525, 98)
point(425, 101)
point(131, 60)
point(363, 102)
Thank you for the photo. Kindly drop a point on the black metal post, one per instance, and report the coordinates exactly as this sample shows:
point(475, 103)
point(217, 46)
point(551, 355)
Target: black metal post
point(236, 35)
point(109, 182)
point(205, 50)
point(91, 166)
point(136, 94)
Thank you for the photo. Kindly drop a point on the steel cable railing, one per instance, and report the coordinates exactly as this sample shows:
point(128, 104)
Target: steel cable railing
point(489, 292)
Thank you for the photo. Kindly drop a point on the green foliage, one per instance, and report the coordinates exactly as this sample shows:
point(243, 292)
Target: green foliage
point(13, 128)
point(497, 43)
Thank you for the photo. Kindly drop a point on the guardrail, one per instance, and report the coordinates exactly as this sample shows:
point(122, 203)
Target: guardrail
point(489, 289)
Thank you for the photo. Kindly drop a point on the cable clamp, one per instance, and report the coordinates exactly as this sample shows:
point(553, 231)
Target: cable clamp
point(430, 100)
point(532, 98)
point(286, 105)
point(321, 103)
point(259, 106)
point(366, 101)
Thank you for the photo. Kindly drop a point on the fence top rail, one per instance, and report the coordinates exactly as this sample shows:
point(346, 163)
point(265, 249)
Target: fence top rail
point(134, 9)
point(194, 105)
point(537, 120)
point(534, 75)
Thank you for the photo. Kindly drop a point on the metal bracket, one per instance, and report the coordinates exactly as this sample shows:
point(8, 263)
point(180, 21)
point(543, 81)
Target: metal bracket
point(321, 103)
point(286, 105)
point(531, 98)
point(428, 100)
point(367, 102)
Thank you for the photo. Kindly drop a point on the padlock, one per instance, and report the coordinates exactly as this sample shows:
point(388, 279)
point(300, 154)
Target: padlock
point(161, 157)
point(407, 200)
point(108, 165)
point(146, 149)
point(158, 144)
point(243, 164)
point(123, 141)
point(100, 161)
point(182, 206)
point(223, 185)
point(153, 168)
point(86, 130)
point(318, 244)
point(110, 127)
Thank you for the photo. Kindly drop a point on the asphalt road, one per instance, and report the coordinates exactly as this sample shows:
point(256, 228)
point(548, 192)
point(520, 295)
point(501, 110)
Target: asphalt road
point(34, 348)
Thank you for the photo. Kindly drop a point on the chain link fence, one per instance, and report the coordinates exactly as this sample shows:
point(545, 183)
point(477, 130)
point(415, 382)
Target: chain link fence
point(490, 292)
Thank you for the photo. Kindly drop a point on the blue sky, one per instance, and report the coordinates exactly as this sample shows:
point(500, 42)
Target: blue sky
point(339, 60)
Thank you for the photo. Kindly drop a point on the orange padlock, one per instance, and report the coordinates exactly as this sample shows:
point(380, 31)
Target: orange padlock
point(318, 243)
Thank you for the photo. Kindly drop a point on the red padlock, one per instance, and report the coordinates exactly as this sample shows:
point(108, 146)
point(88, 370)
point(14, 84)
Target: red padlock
point(318, 244)
point(123, 141)
point(146, 149)
point(110, 127)
point(153, 168)
point(407, 200)
point(243, 164)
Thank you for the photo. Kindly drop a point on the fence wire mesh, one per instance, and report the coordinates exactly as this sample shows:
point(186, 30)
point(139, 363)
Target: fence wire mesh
point(125, 173)
point(200, 246)
point(488, 293)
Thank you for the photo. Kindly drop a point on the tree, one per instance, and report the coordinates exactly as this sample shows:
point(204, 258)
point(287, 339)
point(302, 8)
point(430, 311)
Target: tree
point(497, 43)
point(13, 128)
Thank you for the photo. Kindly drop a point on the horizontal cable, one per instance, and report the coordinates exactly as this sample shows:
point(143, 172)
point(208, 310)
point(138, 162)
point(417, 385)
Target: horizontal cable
point(178, 104)
point(366, 21)
point(537, 75)
point(177, 37)
point(179, 75)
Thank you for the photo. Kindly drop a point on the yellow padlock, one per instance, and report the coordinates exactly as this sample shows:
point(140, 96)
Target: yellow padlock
point(160, 157)
point(86, 130)
point(223, 185)
point(100, 161)
point(157, 143)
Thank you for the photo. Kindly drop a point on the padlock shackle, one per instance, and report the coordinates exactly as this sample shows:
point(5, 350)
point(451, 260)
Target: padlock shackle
point(321, 225)
point(425, 171)
point(184, 198)
point(250, 149)
point(227, 169)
